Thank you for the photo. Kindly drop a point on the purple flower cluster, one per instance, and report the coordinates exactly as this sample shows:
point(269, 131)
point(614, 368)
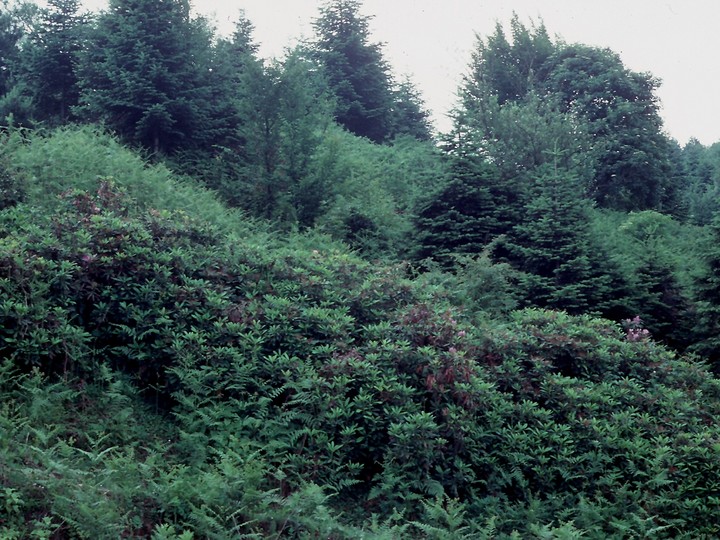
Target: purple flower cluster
point(634, 330)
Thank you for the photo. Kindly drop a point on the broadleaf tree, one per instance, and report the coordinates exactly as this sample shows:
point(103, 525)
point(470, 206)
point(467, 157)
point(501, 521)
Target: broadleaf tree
point(614, 106)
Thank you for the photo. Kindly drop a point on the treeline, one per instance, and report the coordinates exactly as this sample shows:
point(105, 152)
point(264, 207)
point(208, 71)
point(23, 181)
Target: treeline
point(557, 182)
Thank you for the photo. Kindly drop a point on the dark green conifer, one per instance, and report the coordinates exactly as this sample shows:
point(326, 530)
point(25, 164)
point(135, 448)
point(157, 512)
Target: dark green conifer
point(467, 212)
point(146, 74)
point(356, 70)
point(553, 246)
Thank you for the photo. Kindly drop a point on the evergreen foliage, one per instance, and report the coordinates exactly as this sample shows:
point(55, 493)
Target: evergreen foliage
point(706, 290)
point(410, 117)
point(144, 76)
point(699, 173)
point(356, 70)
point(552, 245)
point(16, 20)
point(465, 214)
point(172, 367)
point(49, 61)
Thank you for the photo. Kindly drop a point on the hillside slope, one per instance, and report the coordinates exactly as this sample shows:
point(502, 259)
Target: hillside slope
point(173, 370)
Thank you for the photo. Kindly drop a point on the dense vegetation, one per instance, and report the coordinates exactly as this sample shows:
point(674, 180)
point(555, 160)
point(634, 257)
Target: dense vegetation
point(250, 299)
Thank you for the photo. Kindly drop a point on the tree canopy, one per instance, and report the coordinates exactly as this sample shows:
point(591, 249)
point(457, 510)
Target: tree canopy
point(144, 76)
point(616, 107)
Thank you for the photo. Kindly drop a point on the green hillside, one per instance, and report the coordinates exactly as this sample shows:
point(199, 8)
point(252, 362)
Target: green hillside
point(172, 370)
point(264, 298)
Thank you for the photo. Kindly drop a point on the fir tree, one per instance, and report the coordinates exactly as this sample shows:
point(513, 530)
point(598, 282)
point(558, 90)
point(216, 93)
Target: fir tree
point(145, 75)
point(356, 70)
point(708, 300)
point(553, 246)
point(49, 60)
point(409, 114)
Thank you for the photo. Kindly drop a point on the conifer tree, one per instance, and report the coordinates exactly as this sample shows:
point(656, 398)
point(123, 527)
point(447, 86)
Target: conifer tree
point(409, 116)
point(10, 33)
point(16, 21)
point(657, 296)
point(234, 62)
point(707, 294)
point(471, 209)
point(552, 244)
point(356, 70)
point(49, 59)
point(145, 75)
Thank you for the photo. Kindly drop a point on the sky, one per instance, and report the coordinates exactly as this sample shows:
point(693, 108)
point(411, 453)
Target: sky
point(431, 41)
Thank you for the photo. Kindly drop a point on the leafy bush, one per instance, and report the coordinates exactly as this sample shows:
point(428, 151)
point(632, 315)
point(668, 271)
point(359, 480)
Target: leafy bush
point(165, 375)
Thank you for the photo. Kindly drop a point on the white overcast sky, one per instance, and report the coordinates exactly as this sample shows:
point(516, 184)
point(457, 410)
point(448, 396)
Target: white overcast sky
point(677, 41)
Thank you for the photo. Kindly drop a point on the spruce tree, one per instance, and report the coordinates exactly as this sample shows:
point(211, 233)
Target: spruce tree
point(409, 116)
point(707, 294)
point(552, 244)
point(234, 62)
point(466, 213)
point(49, 59)
point(16, 21)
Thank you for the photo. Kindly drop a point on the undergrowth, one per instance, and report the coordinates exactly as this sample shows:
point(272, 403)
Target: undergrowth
point(166, 374)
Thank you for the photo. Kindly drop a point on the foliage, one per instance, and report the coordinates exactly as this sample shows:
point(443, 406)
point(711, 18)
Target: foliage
point(356, 70)
point(706, 291)
point(172, 368)
point(633, 169)
point(51, 163)
point(153, 92)
point(166, 376)
point(611, 105)
point(699, 177)
point(464, 214)
point(12, 186)
point(552, 245)
point(371, 191)
point(660, 259)
point(48, 61)
point(410, 117)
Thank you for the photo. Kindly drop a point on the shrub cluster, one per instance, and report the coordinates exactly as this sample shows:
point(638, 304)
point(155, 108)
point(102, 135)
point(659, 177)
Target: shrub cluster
point(168, 376)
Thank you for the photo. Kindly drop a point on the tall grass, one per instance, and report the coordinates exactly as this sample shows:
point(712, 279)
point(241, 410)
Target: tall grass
point(79, 157)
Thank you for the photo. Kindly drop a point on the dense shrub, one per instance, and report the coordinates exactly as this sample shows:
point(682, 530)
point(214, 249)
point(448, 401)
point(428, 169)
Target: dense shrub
point(167, 376)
